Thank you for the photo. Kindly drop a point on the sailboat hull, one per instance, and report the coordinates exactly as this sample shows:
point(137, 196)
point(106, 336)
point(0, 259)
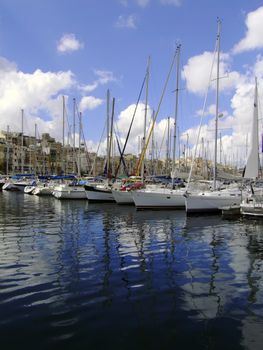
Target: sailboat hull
point(159, 199)
point(123, 197)
point(99, 193)
point(210, 201)
point(69, 192)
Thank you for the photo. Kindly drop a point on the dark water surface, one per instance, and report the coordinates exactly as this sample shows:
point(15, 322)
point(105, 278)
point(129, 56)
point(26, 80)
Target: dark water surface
point(75, 275)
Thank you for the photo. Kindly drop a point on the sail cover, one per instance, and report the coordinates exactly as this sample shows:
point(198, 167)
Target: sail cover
point(252, 166)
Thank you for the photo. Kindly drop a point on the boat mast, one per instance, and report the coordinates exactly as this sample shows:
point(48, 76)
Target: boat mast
point(108, 130)
point(109, 172)
point(217, 100)
point(168, 164)
point(74, 131)
point(145, 116)
point(22, 142)
point(178, 49)
point(80, 130)
point(7, 150)
point(63, 134)
point(35, 151)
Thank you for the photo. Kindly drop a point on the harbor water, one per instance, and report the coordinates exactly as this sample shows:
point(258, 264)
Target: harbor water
point(76, 275)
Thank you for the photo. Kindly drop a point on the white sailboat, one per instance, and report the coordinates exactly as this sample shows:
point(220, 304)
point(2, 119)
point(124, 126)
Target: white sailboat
point(102, 192)
point(214, 200)
point(69, 191)
point(44, 189)
point(252, 205)
point(160, 197)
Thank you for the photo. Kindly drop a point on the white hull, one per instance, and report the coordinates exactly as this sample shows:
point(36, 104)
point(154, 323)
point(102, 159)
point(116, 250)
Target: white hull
point(211, 201)
point(99, 193)
point(100, 196)
point(9, 186)
point(29, 189)
point(123, 197)
point(159, 199)
point(69, 192)
point(252, 207)
point(43, 191)
point(21, 185)
point(252, 210)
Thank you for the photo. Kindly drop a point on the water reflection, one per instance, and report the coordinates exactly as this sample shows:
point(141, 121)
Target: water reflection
point(106, 275)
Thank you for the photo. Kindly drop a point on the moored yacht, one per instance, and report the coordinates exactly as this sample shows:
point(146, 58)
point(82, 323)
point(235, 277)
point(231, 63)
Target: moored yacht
point(69, 191)
point(159, 198)
point(212, 201)
point(99, 193)
point(252, 206)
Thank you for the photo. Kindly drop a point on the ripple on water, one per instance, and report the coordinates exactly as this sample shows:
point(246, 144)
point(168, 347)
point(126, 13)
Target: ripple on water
point(106, 275)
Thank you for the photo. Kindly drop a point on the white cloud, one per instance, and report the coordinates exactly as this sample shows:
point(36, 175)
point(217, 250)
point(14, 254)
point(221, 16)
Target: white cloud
point(89, 102)
point(197, 71)
point(103, 77)
point(69, 43)
point(38, 93)
point(235, 126)
point(254, 36)
point(126, 22)
point(171, 2)
point(89, 87)
point(160, 129)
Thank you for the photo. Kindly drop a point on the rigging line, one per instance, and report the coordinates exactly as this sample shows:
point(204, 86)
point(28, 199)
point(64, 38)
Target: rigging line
point(201, 121)
point(117, 133)
point(119, 148)
point(156, 114)
point(83, 136)
point(98, 148)
point(129, 131)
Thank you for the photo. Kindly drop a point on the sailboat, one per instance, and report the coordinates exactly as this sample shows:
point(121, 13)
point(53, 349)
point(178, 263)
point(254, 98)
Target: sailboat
point(102, 192)
point(74, 189)
point(252, 205)
point(157, 197)
point(124, 194)
point(214, 199)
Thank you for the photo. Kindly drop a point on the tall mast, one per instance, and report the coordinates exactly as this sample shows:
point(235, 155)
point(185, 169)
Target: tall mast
point(80, 130)
point(109, 173)
point(178, 49)
point(7, 151)
point(63, 134)
point(168, 145)
point(22, 142)
point(74, 131)
point(108, 130)
point(152, 153)
point(217, 100)
point(145, 116)
point(35, 151)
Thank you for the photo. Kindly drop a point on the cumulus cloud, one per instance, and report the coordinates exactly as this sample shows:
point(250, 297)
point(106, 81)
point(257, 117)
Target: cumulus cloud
point(254, 35)
point(235, 126)
point(69, 43)
point(103, 77)
point(126, 22)
point(196, 73)
point(89, 103)
point(134, 144)
point(38, 93)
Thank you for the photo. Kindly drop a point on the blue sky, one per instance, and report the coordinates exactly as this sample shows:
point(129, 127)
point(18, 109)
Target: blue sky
point(80, 49)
